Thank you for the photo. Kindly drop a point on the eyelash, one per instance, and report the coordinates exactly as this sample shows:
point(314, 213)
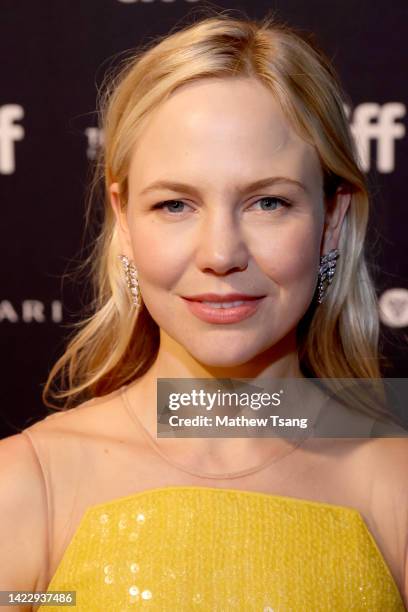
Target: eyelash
point(162, 205)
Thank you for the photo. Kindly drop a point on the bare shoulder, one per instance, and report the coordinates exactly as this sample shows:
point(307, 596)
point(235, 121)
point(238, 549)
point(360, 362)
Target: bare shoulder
point(376, 477)
point(380, 471)
point(30, 463)
point(389, 461)
point(389, 457)
point(22, 515)
point(97, 417)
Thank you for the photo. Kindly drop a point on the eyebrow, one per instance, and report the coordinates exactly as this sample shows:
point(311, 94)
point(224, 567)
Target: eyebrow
point(260, 184)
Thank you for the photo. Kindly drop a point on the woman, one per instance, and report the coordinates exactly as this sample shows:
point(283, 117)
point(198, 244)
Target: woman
point(230, 176)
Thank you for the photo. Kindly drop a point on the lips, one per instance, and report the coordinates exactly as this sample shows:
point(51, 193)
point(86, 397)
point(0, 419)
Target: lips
point(220, 298)
point(223, 309)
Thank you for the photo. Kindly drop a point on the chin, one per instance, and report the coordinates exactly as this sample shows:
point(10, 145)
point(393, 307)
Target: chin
point(223, 358)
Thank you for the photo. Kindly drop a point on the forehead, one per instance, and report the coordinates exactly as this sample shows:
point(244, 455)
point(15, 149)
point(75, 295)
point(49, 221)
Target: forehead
point(220, 128)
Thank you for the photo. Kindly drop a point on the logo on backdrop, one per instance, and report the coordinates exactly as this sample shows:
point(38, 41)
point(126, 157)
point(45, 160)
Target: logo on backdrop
point(10, 132)
point(31, 311)
point(380, 124)
point(393, 305)
point(95, 138)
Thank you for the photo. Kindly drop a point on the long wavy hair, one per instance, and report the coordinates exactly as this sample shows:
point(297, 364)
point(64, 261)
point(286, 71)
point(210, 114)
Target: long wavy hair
point(111, 346)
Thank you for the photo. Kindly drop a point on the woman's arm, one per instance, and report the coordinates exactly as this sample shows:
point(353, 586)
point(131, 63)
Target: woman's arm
point(23, 518)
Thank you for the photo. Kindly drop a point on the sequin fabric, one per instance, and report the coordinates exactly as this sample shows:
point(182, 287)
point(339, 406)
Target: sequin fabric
point(186, 548)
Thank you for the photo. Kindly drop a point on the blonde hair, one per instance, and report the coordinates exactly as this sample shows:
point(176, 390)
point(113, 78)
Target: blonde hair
point(111, 347)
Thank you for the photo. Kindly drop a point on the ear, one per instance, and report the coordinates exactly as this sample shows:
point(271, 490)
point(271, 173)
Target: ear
point(336, 208)
point(121, 220)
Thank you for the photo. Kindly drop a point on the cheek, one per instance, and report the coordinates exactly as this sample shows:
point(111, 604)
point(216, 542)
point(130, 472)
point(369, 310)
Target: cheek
point(159, 259)
point(292, 255)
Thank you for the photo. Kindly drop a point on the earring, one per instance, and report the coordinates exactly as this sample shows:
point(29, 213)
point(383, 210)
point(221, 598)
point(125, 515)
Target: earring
point(327, 269)
point(131, 280)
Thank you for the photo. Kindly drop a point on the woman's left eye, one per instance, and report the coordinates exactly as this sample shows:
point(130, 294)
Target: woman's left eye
point(273, 200)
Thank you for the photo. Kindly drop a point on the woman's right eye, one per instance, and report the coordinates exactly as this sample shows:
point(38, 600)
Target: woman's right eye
point(168, 203)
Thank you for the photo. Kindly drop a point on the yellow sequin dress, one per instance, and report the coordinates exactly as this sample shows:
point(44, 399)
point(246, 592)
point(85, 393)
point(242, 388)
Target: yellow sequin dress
point(185, 548)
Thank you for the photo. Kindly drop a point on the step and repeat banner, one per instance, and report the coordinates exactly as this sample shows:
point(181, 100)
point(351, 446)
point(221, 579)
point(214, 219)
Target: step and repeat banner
point(54, 55)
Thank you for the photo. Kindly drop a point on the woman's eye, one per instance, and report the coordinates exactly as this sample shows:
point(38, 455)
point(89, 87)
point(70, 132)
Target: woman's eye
point(176, 204)
point(271, 202)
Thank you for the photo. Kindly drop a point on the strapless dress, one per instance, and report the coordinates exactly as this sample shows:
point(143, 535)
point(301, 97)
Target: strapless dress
point(186, 548)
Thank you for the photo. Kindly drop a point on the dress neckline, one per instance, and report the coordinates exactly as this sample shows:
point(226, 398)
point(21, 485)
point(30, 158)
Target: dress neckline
point(200, 474)
point(223, 491)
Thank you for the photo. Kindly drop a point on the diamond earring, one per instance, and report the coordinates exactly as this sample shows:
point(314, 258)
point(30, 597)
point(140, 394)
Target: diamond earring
point(326, 272)
point(131, 280)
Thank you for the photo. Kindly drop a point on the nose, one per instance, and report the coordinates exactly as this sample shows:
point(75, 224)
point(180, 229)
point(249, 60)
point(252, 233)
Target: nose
point(222, 248)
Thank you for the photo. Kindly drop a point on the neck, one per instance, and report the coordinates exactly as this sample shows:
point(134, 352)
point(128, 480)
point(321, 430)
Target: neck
point(217, 454)
point(174, 361)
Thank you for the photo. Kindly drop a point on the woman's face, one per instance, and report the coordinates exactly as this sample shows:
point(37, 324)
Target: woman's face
point(217, 234)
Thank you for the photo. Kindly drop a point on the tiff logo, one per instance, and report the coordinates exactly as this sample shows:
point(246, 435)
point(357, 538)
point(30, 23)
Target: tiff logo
point(10, 133)
point(31, 311)
point(375, 123)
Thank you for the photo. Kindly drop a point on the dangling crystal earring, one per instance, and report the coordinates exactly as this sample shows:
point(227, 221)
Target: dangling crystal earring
point(131, 280)
point(326, 272)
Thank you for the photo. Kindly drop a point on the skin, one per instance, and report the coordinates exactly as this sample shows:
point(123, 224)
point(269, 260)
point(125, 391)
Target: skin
point(219, 135)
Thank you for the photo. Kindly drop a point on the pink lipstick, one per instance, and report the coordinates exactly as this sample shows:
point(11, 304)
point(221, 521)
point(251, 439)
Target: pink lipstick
point(223, 308)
